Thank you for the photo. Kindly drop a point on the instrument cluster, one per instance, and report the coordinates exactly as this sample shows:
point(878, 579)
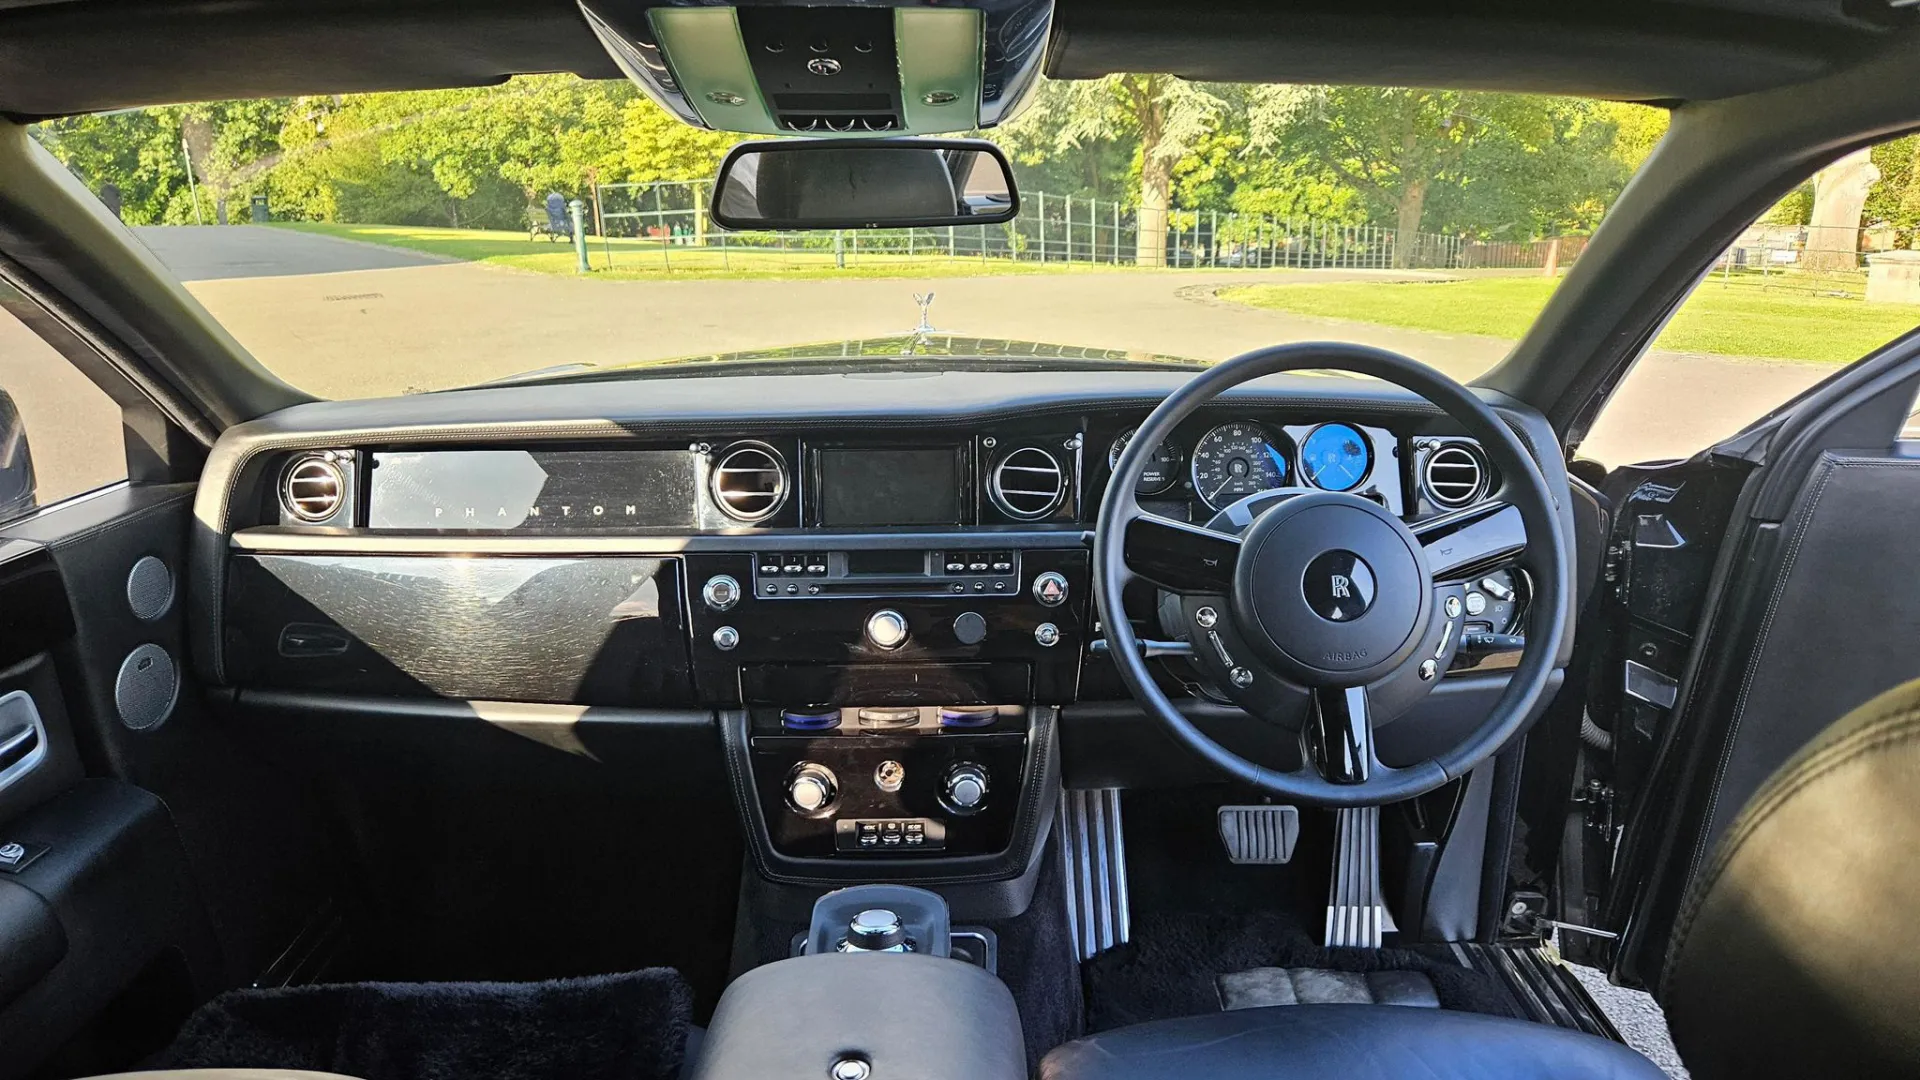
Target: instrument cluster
point(1213, 466)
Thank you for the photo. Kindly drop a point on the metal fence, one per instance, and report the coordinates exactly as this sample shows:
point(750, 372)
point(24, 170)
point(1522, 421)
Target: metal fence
point(664, 225)
point(1811, 259)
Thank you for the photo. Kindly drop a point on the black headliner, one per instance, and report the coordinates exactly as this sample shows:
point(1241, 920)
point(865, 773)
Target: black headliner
point(69, 56)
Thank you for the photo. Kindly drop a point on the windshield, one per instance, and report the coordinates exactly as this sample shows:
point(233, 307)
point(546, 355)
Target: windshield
point(552, 227)
point(390, 243)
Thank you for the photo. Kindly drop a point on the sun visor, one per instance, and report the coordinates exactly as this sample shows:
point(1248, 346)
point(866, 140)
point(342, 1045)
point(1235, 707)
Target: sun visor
point(915, 68)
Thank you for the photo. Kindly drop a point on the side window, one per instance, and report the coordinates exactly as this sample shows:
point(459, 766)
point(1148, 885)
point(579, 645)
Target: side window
point(60, 435)
point(1824, 278)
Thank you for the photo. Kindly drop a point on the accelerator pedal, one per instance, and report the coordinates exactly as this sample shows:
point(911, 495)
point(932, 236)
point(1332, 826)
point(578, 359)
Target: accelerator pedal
point(1259, 835)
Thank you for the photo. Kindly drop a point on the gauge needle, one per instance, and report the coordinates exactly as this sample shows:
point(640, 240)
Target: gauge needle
point(1218, 490)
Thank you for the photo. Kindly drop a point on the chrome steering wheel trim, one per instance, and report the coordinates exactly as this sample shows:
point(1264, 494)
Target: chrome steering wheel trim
point(1331, 594)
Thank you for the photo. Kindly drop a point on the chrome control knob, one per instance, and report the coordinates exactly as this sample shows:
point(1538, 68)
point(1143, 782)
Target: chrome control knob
point(720, 592)
point(876, 930)
point(812, 788)
point(887, 629)
point(966, 787)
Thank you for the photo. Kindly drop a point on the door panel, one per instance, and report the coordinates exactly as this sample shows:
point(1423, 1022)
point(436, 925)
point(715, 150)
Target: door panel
point(1762, 592)
point(168, 862)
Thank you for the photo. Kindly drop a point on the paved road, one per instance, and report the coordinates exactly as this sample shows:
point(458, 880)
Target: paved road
point(342, 318)
point(212, 252)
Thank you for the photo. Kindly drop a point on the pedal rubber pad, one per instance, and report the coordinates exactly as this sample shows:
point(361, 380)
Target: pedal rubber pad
point(1259, 834)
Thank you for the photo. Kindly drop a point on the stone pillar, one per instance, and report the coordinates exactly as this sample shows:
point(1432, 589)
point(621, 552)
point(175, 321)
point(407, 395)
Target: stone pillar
point(1839, 195)
point(1893, 277)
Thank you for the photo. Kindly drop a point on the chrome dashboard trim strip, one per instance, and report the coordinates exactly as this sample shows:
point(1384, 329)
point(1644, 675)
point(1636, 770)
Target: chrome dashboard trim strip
point(284, 540)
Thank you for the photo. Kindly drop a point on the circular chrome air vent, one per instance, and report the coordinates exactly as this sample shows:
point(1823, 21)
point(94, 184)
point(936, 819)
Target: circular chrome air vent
point(749, 481)
point(1028, 483)
point(1454, 475)
point(312, 488)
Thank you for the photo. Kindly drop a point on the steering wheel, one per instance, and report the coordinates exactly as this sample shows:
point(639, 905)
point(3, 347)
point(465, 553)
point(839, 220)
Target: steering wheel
point(1330, 597)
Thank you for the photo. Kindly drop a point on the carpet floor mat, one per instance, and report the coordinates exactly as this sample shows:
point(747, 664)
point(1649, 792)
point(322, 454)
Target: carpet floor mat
point(1174, 962)
point(630, 1026)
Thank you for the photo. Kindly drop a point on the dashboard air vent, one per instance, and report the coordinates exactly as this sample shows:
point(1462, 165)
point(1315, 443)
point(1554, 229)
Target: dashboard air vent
point(313, 488)
point(749, 481)
point(1455, 475)
point(1028, 483)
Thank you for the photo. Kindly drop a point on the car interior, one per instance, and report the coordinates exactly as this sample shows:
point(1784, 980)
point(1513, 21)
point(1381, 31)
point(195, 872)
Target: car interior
point(1293, 716)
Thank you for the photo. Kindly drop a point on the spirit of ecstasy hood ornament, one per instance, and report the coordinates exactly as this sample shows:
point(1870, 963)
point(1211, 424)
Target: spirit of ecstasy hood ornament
point(925, 330)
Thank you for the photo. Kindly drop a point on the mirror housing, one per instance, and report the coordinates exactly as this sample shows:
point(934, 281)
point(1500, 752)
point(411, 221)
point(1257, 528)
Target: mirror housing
point(863, 184)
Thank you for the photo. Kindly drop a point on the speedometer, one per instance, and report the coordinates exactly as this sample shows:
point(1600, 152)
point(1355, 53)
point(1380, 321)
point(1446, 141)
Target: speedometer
point(1335, 457)
point(1159, 473)
point(1236, 460)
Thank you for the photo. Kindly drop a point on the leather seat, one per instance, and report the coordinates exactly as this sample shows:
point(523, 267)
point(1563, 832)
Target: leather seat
point(1796, 952)
point(1347, 1042)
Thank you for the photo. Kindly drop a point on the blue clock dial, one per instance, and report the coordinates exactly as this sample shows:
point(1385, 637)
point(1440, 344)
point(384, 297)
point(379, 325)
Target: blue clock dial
point(1335, 457)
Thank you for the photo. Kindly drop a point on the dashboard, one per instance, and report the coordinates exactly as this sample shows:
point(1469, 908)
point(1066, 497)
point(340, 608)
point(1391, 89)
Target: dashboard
point(856, 576)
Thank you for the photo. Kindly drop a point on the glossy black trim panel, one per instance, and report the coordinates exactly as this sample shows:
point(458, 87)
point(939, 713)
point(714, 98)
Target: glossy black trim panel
point(1033, 817)
point(590, 631)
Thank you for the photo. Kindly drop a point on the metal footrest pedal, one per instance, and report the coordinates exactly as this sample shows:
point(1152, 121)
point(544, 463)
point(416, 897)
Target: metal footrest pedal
point(1259, 835)
point(1357, 915)
point(1095, 851)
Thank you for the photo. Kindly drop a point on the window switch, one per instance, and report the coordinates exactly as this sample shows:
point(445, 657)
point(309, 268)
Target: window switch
point(16, 855)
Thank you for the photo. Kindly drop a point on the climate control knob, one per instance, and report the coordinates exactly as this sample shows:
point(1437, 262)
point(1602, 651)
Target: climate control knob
point(811, 789)
point(966, 787)
point(887, 629)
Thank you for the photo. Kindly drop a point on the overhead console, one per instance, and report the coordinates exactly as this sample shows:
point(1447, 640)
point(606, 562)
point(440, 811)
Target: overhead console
point(889, 68)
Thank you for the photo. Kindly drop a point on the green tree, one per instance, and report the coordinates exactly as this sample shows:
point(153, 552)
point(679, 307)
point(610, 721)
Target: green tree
point(1163, 116)
point(1504, 163)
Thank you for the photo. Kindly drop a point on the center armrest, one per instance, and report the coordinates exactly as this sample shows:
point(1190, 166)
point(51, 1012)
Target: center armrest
point(902, 1014)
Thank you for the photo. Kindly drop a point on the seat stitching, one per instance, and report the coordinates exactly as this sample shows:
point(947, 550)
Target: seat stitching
point(1821, 761)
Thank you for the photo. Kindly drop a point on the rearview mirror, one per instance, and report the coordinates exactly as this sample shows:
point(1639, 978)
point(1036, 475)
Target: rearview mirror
point(863, 184)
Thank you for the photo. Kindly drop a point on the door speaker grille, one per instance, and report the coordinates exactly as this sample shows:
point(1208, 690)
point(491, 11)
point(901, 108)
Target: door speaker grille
point(145, 691)
point(149, 588)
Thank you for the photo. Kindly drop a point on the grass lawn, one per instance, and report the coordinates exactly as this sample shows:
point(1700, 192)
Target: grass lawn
point(648, 260)
point(1730, 320)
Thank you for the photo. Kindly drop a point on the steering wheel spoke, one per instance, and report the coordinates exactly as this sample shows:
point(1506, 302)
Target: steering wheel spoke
point(1339, 735)
point(1180, 557)
point(1472, 539)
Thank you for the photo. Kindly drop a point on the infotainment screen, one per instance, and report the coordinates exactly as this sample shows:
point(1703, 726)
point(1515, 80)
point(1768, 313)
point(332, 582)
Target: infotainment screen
point(885, 486)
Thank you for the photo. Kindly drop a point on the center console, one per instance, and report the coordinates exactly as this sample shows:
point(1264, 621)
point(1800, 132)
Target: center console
point(894, 698)
point(879, 991)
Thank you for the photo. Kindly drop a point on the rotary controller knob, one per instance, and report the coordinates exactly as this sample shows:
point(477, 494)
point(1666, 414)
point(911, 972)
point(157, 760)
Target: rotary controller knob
point(966, 787)
point(812, 788)
point(876, 930)
point(887, 629)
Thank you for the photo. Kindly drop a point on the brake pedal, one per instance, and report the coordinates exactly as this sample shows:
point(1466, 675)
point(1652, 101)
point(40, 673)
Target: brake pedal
point(1357, 915)
point(1259, 835)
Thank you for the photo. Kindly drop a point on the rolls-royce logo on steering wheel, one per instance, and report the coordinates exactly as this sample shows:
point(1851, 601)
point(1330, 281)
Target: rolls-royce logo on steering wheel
point(1338, 586)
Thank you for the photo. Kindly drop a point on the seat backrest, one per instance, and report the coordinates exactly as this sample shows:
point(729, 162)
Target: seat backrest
point(1797, 952)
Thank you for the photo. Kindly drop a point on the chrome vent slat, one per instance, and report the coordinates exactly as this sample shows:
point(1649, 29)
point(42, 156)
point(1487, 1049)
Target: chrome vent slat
point(312, 488)
point(1032, 498)
point(749, 482)
point(1454, 475)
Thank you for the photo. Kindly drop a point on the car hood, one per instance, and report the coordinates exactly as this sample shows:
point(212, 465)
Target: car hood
point(899, 352)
